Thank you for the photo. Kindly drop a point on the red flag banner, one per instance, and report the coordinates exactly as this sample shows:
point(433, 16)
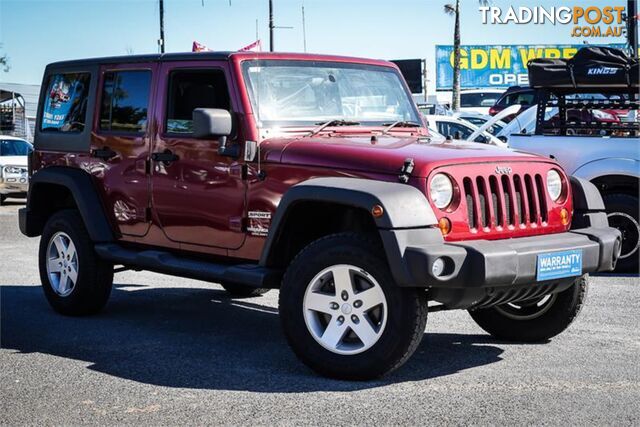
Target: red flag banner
point(199, 47)
point(256, 46)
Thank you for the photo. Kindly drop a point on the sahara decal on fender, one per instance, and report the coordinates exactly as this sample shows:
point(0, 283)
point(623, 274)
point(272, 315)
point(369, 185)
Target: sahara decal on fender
point(259, 223)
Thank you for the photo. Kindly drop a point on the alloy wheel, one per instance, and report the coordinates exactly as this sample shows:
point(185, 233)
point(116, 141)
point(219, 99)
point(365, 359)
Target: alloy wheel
point(345, 309)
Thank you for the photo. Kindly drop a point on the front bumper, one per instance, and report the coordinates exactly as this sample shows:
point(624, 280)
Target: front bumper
point(13, 183)
point(494, 263)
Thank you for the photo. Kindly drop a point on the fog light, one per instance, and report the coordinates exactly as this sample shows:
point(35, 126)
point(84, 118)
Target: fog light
point(437, 268)
point(565, 218)
point(444, 225)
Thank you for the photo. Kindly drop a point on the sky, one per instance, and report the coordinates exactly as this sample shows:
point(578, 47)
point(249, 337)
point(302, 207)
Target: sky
point(34, 33)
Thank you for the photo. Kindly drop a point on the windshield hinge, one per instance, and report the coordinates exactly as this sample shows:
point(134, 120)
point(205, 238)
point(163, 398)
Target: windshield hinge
point(405, 171)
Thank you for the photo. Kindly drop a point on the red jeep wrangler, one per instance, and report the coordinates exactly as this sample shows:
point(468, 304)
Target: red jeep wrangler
point(310, 174)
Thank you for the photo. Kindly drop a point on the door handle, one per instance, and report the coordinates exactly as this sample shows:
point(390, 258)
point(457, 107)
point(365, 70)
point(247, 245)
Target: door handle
point(105, 153)
point(166, 157)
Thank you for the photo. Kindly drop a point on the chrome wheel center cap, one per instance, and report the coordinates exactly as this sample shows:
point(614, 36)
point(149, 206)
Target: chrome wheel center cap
point(346, 308)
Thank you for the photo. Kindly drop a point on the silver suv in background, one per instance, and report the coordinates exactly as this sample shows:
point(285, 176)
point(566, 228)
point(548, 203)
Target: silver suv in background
point(588, 122)
point(14, 178)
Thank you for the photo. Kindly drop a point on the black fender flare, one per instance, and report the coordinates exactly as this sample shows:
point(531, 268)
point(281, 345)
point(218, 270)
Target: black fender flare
point(406, 212)
point(80, 185)
point(587, 205)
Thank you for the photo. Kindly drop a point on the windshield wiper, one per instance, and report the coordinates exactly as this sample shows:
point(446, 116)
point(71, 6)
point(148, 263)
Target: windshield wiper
point(401, 124)
point(334, 122)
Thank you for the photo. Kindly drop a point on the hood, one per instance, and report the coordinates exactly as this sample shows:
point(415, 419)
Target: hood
point(384, 155)
point(13, 161)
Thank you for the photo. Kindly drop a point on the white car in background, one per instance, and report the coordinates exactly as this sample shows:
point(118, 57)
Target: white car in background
point(479, 100)
point(14, 177)
point(478, 119)
point(455, 128)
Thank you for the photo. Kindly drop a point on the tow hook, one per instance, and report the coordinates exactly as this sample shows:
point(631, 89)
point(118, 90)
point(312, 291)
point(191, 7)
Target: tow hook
point(405, 171)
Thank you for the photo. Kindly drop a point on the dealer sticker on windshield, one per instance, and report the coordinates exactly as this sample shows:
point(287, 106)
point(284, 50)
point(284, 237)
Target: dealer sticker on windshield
point(555, 265)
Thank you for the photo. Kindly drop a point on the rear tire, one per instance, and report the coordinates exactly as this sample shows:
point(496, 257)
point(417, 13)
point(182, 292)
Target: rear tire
point(75, 281)
point(3, 197)
point(526, 321)
point(359, 326)
point(622, 211)
point(243, 291)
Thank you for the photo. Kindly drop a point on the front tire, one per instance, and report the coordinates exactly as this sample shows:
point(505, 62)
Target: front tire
point(75, 281)
point(342, 313)
point(534, 320)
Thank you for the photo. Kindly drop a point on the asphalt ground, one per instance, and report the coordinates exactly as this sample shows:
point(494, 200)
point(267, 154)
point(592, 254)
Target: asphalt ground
point(174, 351)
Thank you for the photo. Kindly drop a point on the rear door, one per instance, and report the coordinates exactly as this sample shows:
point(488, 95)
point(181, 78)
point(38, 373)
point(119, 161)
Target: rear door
point(199, 196)
point(120, 143)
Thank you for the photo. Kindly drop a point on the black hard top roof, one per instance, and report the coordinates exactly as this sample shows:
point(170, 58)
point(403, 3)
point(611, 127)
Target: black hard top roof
point(180, 56)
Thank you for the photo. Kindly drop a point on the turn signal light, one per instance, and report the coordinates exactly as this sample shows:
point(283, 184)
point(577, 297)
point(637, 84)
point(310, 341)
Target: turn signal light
point(564, 216)
point(444, 225)
point(377, 211)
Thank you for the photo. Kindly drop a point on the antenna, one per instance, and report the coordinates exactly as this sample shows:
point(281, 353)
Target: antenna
point(304, 30)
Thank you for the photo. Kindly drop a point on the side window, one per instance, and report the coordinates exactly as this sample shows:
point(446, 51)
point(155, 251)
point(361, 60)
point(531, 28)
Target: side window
point(65, 104)
point(443, 128)
point(191, 89)
point(465, 132)
point(125, 98)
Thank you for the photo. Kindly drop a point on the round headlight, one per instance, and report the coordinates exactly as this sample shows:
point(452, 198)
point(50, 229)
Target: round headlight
point(441, 190)
point(554, 184)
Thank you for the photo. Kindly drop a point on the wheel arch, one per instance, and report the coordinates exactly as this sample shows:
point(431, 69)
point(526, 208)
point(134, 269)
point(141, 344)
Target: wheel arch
point(617, 183)
point(342, 204)
point(56, 188)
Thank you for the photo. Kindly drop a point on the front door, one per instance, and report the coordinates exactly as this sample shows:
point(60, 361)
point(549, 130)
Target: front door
point(198, 196)
point(120, 143)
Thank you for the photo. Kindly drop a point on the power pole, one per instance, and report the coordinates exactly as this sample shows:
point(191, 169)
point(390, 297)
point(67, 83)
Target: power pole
point(161, 40)
point(632, 27)
point(271, 26)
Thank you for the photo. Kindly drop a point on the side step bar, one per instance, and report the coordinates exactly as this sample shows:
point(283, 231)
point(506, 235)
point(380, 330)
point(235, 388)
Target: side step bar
point(167, 263)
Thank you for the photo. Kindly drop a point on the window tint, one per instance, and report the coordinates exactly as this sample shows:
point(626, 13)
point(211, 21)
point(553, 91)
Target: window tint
point(125, 97)
point(10, 147)
point(519, 98)
point(191, 89)
point(481, 99)
point(65, 104)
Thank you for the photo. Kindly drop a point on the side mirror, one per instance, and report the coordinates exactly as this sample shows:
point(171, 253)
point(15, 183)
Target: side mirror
point(212, 123)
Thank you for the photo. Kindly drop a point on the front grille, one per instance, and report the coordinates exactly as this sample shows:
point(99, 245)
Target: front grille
point(518, 199)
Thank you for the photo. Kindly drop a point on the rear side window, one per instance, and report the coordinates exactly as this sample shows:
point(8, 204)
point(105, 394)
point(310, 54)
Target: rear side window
point(191, 89)
point(125, 99)
point(65, 104)
point(479, 99)
point(517, 98)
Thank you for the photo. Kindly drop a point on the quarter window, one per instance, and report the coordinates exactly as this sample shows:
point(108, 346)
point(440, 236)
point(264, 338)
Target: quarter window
point(65, 105)
point(191, 89)
point(125, 99)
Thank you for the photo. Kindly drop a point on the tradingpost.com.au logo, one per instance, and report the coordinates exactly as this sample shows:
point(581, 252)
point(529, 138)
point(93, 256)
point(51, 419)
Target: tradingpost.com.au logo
point(590, 21)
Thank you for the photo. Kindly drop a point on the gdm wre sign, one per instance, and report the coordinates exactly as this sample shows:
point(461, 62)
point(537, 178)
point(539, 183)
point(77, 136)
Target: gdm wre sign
point(499, 66)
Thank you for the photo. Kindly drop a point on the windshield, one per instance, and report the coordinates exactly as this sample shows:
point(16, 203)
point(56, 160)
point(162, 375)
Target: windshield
point(303, 93)
point(14, 147)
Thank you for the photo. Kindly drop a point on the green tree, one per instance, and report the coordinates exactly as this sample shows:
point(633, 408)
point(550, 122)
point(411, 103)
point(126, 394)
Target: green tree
point(453, 9)
point(4, 62)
